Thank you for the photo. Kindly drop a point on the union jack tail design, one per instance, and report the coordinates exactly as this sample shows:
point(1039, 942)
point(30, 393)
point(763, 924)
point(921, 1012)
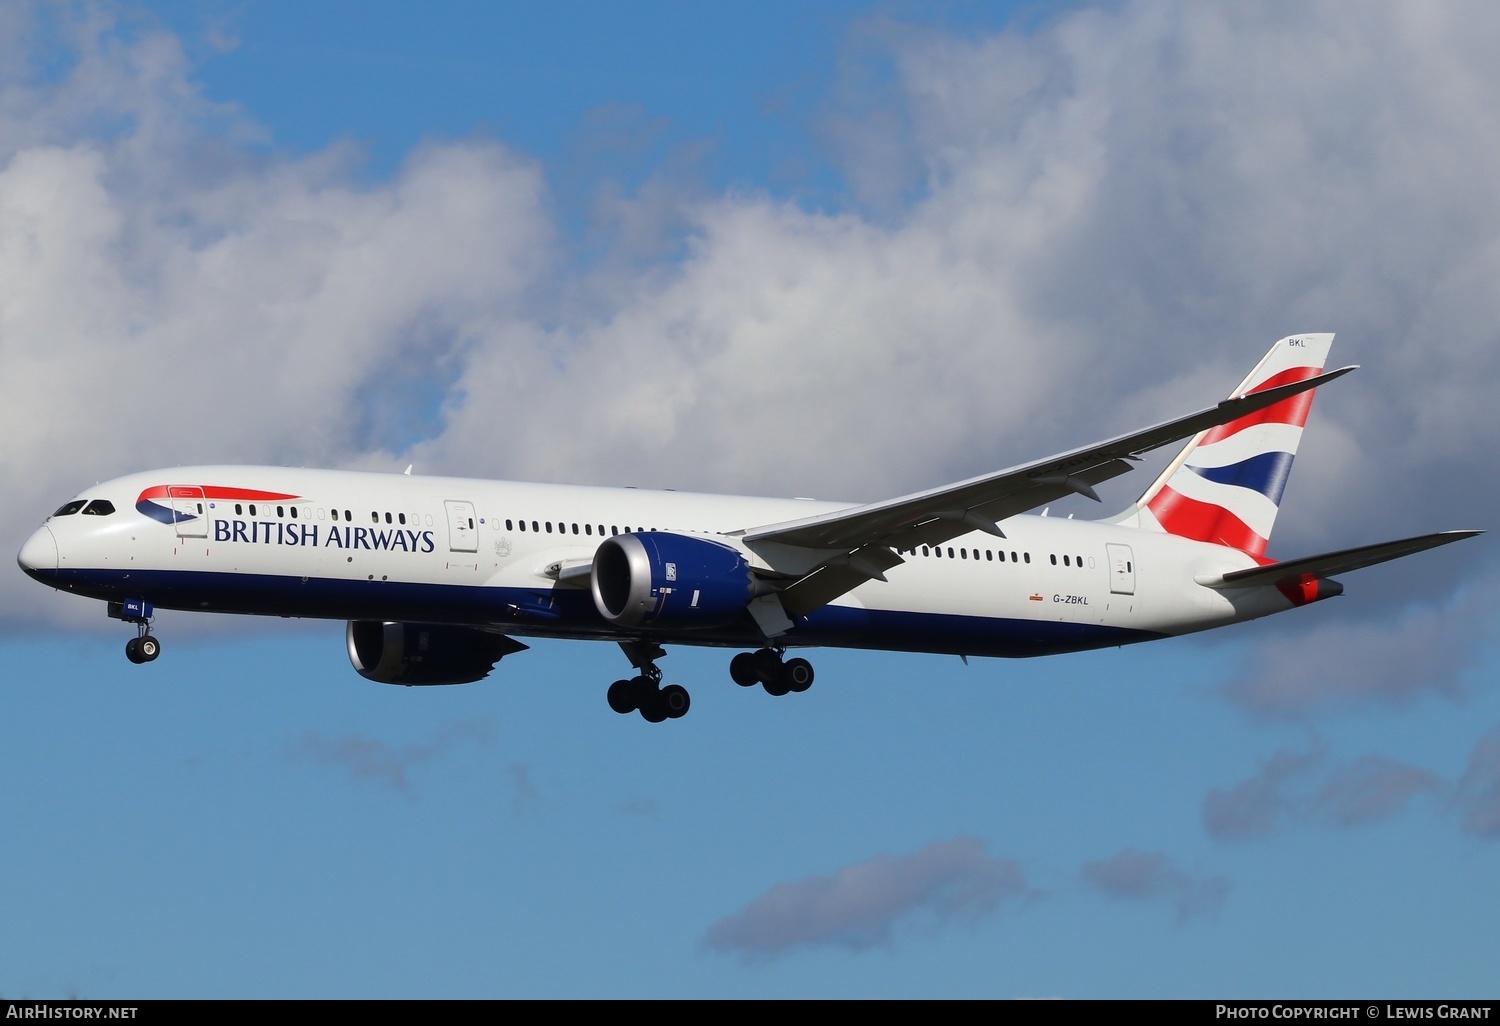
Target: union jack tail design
point(1226, 486)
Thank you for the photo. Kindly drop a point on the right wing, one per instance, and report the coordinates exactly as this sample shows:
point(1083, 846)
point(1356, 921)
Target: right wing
point(837, 552)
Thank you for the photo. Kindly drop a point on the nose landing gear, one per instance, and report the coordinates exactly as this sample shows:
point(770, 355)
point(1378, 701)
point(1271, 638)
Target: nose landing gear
point(145, 646)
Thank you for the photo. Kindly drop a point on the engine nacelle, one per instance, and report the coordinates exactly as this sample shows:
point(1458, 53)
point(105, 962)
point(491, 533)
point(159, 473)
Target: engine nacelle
point(659, 579)
point(416, 653)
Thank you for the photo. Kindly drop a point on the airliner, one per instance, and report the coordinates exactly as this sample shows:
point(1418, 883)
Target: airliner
point(437, 577)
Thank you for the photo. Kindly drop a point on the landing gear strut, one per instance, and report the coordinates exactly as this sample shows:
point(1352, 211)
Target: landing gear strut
point(644, 693)
point(144, 647)
point(766, 668)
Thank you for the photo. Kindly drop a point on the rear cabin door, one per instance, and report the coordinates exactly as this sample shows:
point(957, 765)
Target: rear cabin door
point(463, 533)
point(1121, 570)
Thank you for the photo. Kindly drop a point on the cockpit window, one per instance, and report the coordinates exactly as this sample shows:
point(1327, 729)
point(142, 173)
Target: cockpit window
point(99, 508)
point(71, 508)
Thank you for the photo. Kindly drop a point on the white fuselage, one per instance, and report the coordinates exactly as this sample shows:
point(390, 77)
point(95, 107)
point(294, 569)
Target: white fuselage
point(361, 546)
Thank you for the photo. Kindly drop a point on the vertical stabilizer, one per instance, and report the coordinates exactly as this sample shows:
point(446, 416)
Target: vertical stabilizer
point(1226, 485)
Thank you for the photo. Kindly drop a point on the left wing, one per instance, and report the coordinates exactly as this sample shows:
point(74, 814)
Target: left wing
point(844, 549)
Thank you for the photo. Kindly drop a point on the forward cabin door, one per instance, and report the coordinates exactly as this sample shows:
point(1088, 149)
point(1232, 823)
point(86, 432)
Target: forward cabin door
point(189, 511)
point(1121, 570)
point(463, 531)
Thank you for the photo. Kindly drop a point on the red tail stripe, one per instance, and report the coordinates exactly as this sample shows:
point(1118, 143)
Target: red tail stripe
point(1188, 518)
point(1289, 411)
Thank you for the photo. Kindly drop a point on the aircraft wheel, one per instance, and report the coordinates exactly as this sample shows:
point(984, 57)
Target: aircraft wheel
point(767, 665)
point(654, 711)
point(799, 674)
point(621, 696)
point(148, 648)
point(675, 700)
point(742, 670)
point(133, 650)
point(779, 686)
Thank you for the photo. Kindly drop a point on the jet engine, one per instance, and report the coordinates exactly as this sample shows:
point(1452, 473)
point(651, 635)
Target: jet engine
point(659, 579)
point(419, 653)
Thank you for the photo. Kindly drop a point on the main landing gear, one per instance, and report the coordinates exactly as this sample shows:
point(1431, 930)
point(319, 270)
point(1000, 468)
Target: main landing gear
point(144, 647)
point(766, 668)
point(644, 693)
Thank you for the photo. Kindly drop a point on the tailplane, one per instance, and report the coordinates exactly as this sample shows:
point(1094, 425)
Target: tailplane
point(1226, 485)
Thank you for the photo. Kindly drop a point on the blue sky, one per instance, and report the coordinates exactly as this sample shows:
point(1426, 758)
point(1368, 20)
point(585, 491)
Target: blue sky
point(851, 250)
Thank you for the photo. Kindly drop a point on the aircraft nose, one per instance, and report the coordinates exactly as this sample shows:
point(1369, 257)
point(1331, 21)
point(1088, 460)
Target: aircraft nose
point(38, 557)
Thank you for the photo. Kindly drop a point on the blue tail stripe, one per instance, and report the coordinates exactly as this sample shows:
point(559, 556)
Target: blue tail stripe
point(1265, 473)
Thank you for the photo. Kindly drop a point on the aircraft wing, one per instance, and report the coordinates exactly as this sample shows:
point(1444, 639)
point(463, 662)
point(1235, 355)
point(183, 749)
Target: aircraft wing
point(864, 539)
point(1330, 563)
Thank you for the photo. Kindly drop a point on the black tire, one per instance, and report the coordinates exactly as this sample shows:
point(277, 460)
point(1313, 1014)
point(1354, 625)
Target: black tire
point(778, 687)
point(742, 670)
point(621, 696)
point(767, 664)
point(133, 650)
point(654, 711)
point(148, 647)
point(799, 674)
point(675, 700)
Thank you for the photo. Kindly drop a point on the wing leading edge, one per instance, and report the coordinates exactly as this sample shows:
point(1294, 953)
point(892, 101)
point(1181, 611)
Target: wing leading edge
point(844, 549)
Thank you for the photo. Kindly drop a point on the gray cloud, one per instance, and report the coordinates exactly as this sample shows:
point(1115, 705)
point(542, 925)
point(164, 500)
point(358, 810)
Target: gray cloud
point(390, 765)
point(1424, 651)
point(1255, 807)
point(860, 906)
point(1298, 788)
point(1479, 788)
point(1371, 789)
point(1151, 876)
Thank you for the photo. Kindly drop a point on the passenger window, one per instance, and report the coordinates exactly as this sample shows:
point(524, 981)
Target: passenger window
point(401, 519)
point(549, 527)
point(1053, 557)
point(294, 512)
point(388, 520)
point(374, 517)
point(1026, 555)
point(963, 553)
point(509, 526)
point(348, 515)
point(252, 509)
point(1066, 562)
point(100, 508)
point(239, 510)
point(281, 512)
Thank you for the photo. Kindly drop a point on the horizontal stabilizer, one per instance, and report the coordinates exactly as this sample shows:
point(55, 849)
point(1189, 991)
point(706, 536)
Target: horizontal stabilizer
point(1330, 563)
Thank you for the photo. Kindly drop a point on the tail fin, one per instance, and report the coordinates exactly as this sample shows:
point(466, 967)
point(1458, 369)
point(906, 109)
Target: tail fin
point(1226, 485)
